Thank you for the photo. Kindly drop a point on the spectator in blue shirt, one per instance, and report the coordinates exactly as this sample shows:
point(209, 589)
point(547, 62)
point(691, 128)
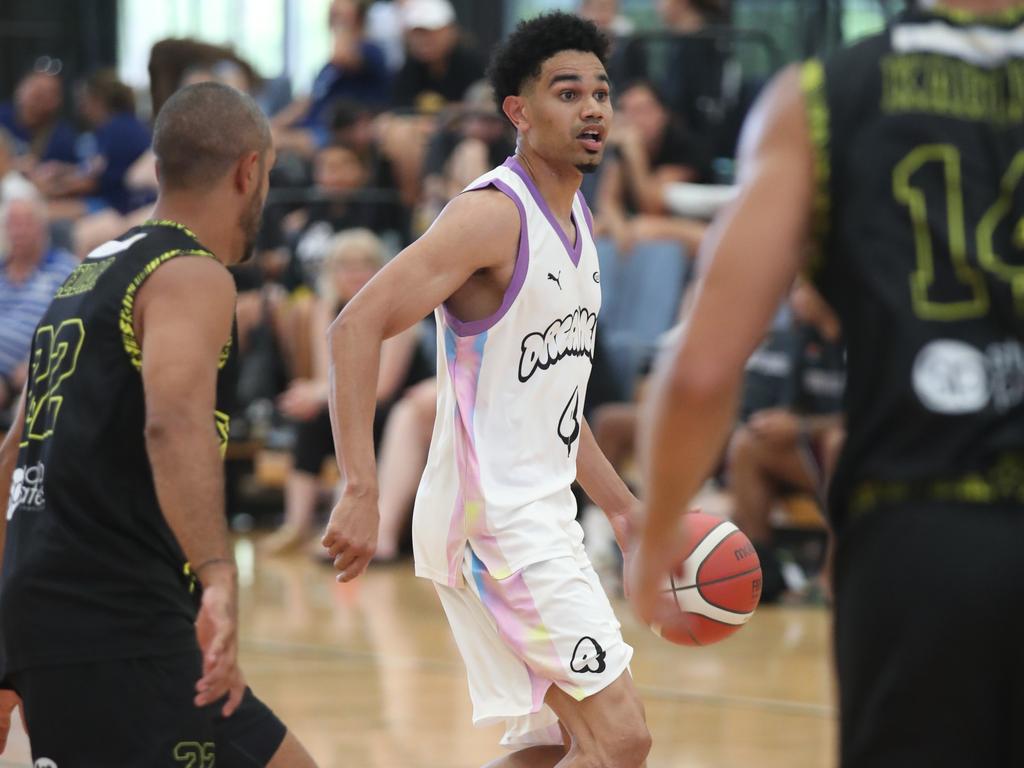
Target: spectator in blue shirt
point(117, 140)
point(32, 121)
point(356, 72)
point(31, 270)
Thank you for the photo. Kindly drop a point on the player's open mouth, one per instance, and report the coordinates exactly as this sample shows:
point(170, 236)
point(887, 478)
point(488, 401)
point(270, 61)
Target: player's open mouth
point(592, 139)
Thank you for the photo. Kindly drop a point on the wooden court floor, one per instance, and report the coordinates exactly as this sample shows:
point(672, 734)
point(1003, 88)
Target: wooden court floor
point(366, 674)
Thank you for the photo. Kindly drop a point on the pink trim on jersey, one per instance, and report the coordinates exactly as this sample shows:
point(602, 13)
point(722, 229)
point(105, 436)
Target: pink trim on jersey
point(464, 370)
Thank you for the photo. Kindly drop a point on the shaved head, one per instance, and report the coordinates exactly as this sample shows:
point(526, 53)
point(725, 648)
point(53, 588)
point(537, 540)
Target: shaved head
point(202, 131)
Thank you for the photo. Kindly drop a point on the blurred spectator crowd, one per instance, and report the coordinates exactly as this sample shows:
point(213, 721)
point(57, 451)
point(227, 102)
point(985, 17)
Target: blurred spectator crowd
point(398, 121)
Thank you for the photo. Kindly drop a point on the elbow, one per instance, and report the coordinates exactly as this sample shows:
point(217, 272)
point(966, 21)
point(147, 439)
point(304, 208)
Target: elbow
point(158, 430)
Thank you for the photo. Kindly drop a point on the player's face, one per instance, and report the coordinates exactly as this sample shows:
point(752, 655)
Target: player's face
point(570, 110)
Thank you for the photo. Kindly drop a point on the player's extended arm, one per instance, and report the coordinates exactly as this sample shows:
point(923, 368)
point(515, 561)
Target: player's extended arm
point(475, 231)
point(598, 478)
point(183, 318)
point(749, 260)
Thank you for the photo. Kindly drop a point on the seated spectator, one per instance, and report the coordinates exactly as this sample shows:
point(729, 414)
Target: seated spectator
point(439, 68)
point(339, 173)
point(353, 257)
point(13, 183)
point(31, 271)
point(475, 138)
point(117, 138)
point(33, 120)
point(791, 437)
point(688, 70)
point(356, 72)
point(645, 252)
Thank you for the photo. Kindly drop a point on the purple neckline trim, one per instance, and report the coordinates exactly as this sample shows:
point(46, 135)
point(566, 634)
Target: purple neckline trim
point(574, 251)
point(475, 327)
point(587, 215)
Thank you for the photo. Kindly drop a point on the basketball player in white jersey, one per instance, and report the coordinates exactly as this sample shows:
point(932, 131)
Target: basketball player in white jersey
point(511, 268)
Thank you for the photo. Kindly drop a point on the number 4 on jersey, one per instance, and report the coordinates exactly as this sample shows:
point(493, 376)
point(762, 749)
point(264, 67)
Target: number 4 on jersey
point(54, 358)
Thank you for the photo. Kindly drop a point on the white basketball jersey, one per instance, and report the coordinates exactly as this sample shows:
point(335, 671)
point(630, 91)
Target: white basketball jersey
point(510, 399)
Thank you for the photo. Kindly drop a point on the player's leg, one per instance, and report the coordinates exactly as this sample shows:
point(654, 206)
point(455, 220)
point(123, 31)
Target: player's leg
point(551, 631)
point(608, 728)
point(291, 754)
point(254, 737)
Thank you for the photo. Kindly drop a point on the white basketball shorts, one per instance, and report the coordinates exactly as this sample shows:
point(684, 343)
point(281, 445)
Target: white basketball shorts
point(548, 623)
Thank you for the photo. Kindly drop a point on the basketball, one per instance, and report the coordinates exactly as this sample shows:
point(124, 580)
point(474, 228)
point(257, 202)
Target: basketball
point(718, 585)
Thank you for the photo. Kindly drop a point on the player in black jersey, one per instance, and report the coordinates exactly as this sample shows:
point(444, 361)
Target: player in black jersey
point(902, 159)
point(116, 506)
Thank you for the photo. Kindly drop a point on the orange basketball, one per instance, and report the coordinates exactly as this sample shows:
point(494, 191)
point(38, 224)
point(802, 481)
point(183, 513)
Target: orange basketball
point(719, 584)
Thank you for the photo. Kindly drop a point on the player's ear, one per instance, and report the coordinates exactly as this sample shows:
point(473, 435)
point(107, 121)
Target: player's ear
point(515, 109)
point(247, 172)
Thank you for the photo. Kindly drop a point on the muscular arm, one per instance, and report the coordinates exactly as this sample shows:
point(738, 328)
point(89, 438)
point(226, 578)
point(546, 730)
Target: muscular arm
point(750, 258)
point(476, 232)
point(183, 318)
point(602, 483)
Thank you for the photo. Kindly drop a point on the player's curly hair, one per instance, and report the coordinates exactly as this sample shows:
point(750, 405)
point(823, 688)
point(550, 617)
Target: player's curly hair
point(535, 41)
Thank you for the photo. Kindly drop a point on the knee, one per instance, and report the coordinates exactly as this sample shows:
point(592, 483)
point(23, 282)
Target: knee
point(633, 746)
point(627, 745)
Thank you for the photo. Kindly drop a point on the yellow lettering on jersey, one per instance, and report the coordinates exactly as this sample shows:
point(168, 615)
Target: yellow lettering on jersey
point(83, 278)
point(937, 85)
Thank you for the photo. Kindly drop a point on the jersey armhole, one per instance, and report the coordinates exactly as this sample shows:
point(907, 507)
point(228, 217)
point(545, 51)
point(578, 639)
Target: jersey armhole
point(515, 285)
point(126, 316)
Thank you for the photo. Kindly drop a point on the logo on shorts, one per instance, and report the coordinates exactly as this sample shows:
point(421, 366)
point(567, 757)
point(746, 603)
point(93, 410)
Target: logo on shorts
point(588, 656)
point(44, 762)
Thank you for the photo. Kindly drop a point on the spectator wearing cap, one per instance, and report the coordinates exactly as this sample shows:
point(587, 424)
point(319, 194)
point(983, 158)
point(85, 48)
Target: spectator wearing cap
point(439, 68)
point(33, 121)
point(356, 72)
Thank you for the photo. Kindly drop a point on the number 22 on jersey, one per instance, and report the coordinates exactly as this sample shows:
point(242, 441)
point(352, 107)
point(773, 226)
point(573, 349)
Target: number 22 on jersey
point(54, 359)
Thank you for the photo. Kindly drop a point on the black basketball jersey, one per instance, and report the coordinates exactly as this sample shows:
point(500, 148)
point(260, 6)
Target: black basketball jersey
point(919, 140)
point(91, 569)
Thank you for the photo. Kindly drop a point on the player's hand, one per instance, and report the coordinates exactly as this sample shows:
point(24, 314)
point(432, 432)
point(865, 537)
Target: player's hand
point(8, 701)
point(351, 534)
point(645, 575)
point(775, 425)
point(217, 631)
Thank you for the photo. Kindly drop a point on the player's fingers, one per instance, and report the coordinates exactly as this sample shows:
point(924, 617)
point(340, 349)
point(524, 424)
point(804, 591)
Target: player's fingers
point(354, 569)
point(344, 560)
point(235, 694)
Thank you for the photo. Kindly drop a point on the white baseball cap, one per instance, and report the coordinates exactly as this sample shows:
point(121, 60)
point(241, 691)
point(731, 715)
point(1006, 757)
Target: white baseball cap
point(428, 14)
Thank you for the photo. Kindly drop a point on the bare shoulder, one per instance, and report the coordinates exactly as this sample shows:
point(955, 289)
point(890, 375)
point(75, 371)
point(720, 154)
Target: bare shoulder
point(483, 222)
point(195, 278)
point(196, 290)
